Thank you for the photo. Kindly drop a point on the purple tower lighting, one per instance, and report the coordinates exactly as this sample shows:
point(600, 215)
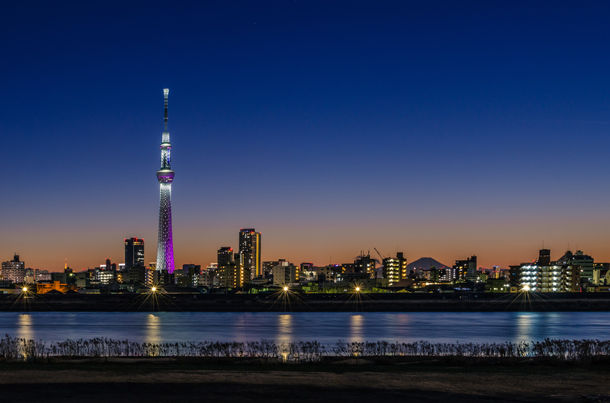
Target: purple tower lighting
point(165, 176)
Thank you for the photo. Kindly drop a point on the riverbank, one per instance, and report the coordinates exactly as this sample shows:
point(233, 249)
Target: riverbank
point(100, 380)
point(292, 302)
point(19, 348)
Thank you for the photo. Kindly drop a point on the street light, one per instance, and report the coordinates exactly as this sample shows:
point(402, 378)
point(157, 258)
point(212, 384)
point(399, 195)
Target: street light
point(24, 289)
point(154, 289)
point(357, 289)
point(285, 288)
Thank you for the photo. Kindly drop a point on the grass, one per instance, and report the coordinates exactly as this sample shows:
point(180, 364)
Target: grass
point(13, 348)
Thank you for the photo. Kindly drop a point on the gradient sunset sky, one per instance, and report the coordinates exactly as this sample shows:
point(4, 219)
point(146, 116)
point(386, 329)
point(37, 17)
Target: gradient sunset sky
point(440, 129)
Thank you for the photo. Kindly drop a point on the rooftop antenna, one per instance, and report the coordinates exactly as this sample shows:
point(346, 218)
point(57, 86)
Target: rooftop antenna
point(165, 101)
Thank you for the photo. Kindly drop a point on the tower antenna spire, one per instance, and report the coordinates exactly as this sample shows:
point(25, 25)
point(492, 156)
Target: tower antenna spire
point(165, 102)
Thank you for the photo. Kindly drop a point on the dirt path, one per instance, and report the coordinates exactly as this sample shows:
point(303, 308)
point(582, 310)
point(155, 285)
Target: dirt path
point(142, 382)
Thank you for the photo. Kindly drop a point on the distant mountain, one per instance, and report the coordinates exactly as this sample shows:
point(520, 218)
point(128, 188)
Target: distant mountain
point(425, 263)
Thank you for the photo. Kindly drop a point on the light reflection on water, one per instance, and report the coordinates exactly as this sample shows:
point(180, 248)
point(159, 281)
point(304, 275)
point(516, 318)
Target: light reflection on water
point(325, 327)
point(24, 327)
point(153, 328)
point(284, 334)
point(356, 328)
point(524, 327)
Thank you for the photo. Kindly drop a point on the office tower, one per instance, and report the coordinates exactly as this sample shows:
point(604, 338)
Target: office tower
point(14, 270)
point(165, 176)
point(250, 251)
point(395, 269)
point(134, 252)
point(225, 256)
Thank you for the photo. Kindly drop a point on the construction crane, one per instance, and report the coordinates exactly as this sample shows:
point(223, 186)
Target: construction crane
point(379, 253)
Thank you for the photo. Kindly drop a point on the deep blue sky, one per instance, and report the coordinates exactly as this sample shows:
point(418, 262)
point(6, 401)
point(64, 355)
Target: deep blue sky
point(437, 128)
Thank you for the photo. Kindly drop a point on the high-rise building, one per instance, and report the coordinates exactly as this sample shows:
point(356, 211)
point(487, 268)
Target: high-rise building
point(228, 274)
point(365, 265)
point(395, 269)
point(465, 269)
point(250, 251)
point(231, 270)
point(134, 252)
point(560, 276)
point(225, 256)
point(582, 264)
point(268, 267)
point(190, 275)
point(165, 176)
point(549, 278)
point(14, 270)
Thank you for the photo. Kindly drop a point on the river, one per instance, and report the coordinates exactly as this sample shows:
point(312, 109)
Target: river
point(325, 327)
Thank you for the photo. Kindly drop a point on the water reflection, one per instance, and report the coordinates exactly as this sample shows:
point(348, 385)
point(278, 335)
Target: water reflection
point(284, 329)
point(356, 328)
point(240, 327)
point(401, 322)
point(325, 327)
point(525, 327)
point(24, 327)
point(153, 329)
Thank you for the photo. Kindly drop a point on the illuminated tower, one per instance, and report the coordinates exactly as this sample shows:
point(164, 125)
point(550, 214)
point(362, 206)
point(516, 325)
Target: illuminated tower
point(165, 175)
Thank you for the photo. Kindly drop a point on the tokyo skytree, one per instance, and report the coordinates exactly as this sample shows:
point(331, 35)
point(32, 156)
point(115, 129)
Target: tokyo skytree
point(165, 176)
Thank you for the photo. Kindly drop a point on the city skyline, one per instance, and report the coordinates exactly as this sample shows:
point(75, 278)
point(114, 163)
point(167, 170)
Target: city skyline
point(244, 254)
point(451, 133)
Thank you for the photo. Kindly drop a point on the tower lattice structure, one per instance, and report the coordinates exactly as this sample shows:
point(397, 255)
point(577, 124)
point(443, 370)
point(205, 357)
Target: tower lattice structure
point(165, 176)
